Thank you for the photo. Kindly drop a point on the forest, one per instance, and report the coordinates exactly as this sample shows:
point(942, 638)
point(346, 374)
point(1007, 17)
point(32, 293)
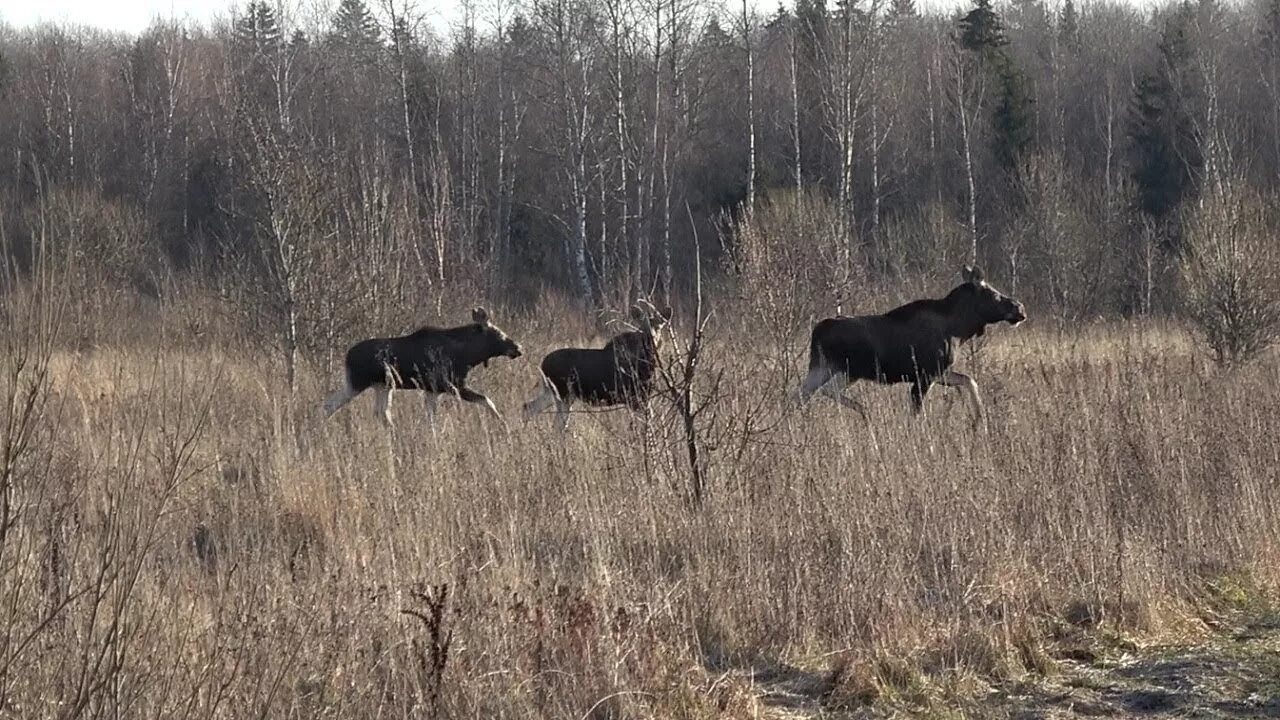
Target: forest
point(591, 147)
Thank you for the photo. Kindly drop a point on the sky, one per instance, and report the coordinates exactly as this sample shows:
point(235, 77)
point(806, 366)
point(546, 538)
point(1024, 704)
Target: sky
point(133, 16)
point(123, 15)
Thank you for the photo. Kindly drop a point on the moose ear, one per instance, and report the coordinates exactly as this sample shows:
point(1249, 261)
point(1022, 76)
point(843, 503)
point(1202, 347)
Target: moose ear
point(480, 315)
point(972, 274)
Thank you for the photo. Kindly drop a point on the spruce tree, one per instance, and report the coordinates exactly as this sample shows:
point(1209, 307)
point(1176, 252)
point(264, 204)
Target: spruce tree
point(1069, 27)
point(1270, 30)
point(257, 30)
point(354, 27)
point(981, 30)
point(1013, 118)
point(1166, 153)
point(903, 8)
point(982, 33)
point(812, 16)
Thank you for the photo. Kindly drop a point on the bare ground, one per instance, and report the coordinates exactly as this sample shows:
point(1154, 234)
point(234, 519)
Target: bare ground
point(1232, 673)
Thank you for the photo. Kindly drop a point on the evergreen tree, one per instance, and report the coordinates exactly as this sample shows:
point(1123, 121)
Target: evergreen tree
point(812, 16)
point(714, 36)
point(353, 27)
point(257, 45)
point(903, 9)
point(1013, 118)
point(1270, 30)
point(779, 20)
point(257, 31)
point(1069, 27)
point(982, 33)
point(981, 30)
point(1166, 153)
point(4, 74)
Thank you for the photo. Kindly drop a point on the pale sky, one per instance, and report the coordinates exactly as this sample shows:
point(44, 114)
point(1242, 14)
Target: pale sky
point(133, 16)
point(125, 15)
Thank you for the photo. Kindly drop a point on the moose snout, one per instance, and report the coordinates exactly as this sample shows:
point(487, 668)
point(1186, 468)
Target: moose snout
point(514, 352)
point(1016, 314)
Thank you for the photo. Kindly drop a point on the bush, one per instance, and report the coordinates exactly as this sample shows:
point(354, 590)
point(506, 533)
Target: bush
point(1059, 250)
point(1231, 268)
point(792, 264)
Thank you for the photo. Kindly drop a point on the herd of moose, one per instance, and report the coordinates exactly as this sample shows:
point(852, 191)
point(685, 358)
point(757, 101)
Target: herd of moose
point(914, 343)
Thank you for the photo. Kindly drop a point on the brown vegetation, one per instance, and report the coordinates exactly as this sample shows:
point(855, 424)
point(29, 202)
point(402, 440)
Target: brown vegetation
point(182, 537)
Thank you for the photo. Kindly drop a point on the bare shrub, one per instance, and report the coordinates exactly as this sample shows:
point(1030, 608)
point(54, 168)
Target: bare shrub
point(922, 247)
point(791, 265)
point(1231, 268)
point(103, 244)
point(1053, 250)
point(792, 259)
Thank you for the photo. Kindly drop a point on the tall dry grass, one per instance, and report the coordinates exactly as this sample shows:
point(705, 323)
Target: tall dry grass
point(184, 539)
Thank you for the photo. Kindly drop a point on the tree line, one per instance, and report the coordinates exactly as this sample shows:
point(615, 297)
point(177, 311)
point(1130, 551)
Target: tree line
point(354, 158)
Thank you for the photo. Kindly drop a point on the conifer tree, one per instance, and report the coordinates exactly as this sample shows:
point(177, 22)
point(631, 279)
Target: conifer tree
point(354, 28)
point(982, 33)
point(1069, 26)
point(981, 30)
point(257, 31)
point(1166, 152)
point(903, 8)
point(1013, 119)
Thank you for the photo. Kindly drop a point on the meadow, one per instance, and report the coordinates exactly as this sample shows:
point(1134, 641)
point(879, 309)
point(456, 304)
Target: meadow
point(199, 217)
point(182, 536)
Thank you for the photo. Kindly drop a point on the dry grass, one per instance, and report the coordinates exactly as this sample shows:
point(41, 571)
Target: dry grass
point(189, 541)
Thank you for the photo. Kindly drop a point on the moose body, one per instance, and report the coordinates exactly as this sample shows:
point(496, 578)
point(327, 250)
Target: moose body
point(620, 373)
point(914, 343)
point(434, 360)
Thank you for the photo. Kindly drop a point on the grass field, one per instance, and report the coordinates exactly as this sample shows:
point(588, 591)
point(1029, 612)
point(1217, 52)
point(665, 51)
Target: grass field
point(184, 538)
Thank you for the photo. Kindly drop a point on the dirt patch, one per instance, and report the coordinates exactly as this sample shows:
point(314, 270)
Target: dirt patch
point(1231, 676)
point(1234, 674)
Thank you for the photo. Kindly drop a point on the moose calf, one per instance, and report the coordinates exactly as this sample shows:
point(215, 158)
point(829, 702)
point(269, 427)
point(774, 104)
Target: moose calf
point(620, 373)
point(434, 360)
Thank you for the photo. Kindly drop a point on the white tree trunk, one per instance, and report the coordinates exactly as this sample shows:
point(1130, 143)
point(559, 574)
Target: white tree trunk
point(795, 116)
point(751, 108)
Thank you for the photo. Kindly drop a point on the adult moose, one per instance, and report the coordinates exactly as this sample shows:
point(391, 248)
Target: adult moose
point(434, 360)
point(914, 343)
point(620, 373)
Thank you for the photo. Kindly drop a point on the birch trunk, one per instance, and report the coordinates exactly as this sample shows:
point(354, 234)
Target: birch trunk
point(751, 109)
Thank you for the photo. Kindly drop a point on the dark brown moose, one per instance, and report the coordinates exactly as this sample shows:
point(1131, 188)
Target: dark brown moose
point(431, 359)
point(620, 373)
point(914, 343)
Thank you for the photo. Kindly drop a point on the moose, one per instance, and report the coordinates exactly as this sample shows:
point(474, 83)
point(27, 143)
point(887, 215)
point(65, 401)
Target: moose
point(914, 343)
point(620, 373)
point(434, 360)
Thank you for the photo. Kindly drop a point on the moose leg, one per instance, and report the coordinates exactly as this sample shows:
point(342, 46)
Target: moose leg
point(339, 399)
point(429, 403)
point(562, 414)
point(472, 396)
point(382, 404)
point(960, 380)
point(817, 377)
point(835, 388)
point(640, 408)
point(919, 389)
point(545, 399)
